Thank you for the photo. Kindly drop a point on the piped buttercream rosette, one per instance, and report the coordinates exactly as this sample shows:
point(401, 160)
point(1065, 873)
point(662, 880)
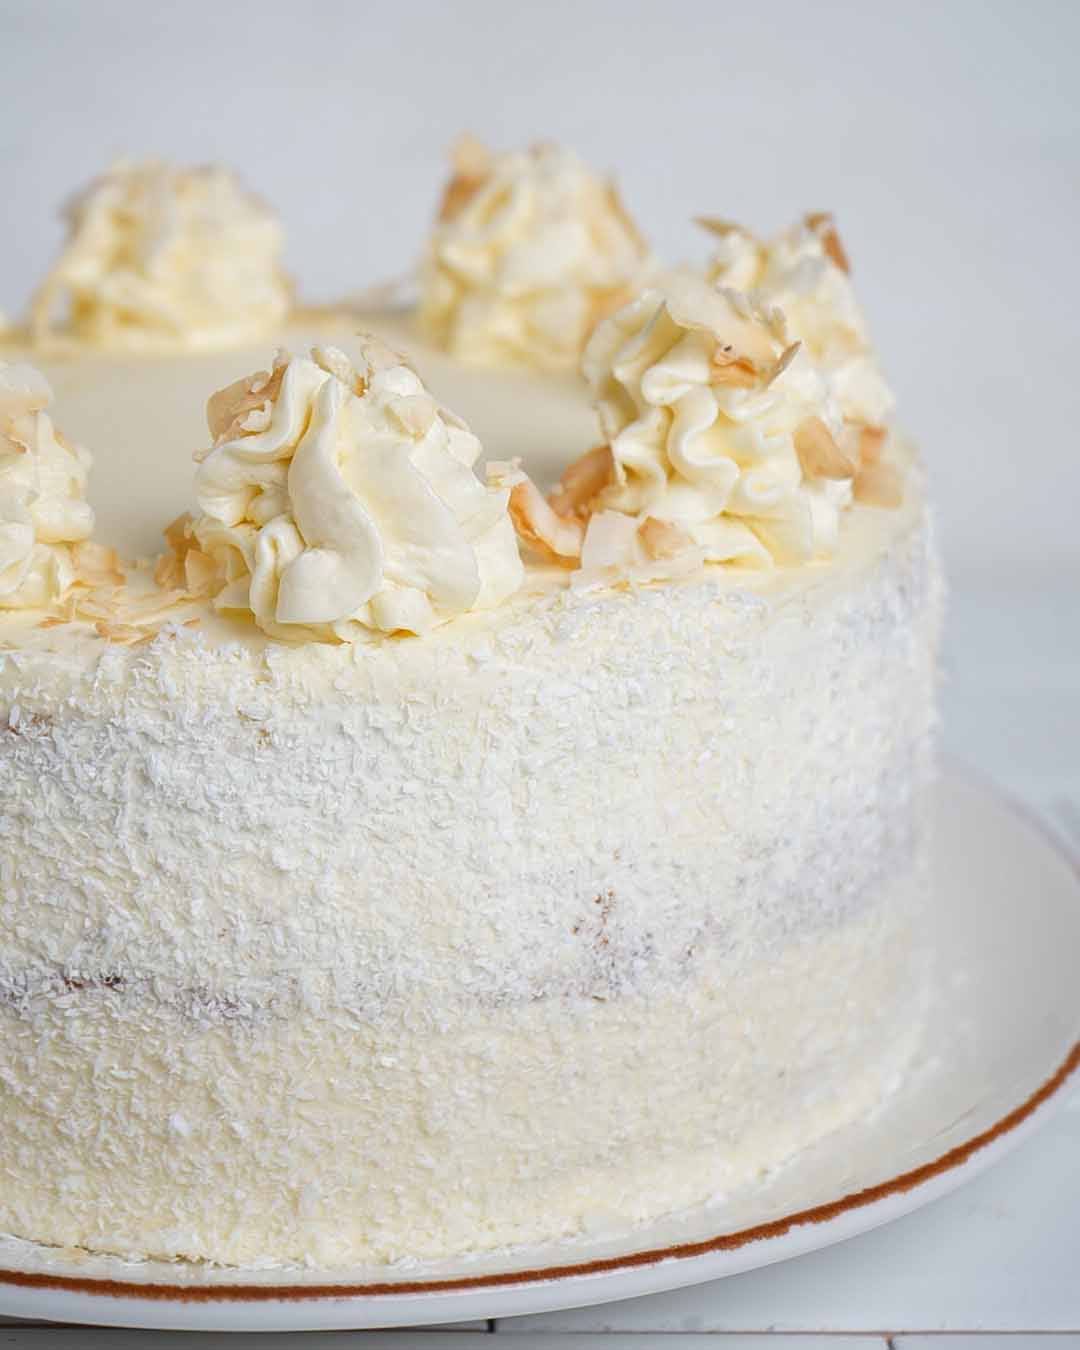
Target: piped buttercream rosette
point(158, 254)
point(804, 271)
point(723, 444)
point(45, 519)
point(530, 249)
point(340, 500)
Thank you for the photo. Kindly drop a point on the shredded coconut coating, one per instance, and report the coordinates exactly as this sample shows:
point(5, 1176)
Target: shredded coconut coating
point(564, 917)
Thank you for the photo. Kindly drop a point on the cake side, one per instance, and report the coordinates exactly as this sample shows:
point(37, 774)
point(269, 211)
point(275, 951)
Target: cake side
point(404, 863)
point(575, 913)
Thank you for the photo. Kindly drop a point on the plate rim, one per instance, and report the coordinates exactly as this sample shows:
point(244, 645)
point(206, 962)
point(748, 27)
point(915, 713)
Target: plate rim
point(947, 1166)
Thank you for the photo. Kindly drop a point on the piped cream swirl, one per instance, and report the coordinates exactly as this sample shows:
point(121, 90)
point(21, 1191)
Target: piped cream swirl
point(163, 255)
point(708, 413)
point(43, 510)
point(530, 249)
point(339, 501)
point(804, 272)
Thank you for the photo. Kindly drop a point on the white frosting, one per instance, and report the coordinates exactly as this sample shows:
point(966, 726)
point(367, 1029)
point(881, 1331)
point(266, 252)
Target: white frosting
point(340, 501)
point(287, 925)
point(157, 254)
point(312, 920)
point(530, 250)
point(43, 508)
point(119, 402)
point(702, 404)
point(804, 272)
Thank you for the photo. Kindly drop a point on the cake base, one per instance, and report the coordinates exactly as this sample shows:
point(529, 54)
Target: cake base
point(1001, 1030)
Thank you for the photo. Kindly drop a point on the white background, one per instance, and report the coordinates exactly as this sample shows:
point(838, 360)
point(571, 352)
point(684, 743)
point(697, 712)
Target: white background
point(946, 136)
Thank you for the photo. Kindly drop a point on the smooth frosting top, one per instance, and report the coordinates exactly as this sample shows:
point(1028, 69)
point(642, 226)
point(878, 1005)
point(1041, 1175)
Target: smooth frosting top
point(43, 508)
point(529, 250)
point(163, 255)
point(340, 500)
point(805, 272)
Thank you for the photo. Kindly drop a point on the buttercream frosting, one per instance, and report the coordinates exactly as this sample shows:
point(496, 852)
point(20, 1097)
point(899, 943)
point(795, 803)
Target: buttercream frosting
point(530, 249)
point(724, 443)
point(330, 914)
point(160, 254)
point(43, 507)
point(287, 924)
point(805, 272)
point(339, 501)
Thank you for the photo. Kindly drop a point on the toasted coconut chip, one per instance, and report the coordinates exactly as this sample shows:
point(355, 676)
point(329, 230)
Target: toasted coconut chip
point(618, 209)
point(178, 532)
point(221, 407)
point(720, 227)
point(731, 371)
point(733, 322)
point(100, 604)
point(376, 355)
point(669, 569)
point(554, 536)
point(470, 157)
point(663, 538)
point(126, 618)
point(871, 443)
point(819, 455)
point(66, 610)
point(169, 567)
point(96, 565)
point(122, 633)
point(185, 569)
point(821, 222)
point(470, 160)
point(148, 609)
point(227, 410)
point(54, 622)
point(783, 361)
point(879, 485)
point(610, 542)
point(201, 573)
point(334, 361)
point(168, 571)
point(583, 481)
point(456, 195)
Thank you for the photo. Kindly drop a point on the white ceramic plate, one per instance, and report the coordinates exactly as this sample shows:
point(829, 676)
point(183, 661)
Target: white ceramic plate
point(1004, 1036)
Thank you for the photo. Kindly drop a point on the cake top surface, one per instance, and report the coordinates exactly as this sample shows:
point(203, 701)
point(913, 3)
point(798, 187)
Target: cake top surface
point(359, 477)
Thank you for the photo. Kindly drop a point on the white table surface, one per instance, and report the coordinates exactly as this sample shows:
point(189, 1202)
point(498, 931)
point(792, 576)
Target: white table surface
point(1001, 1255)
